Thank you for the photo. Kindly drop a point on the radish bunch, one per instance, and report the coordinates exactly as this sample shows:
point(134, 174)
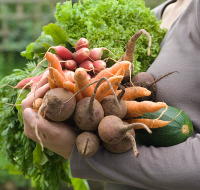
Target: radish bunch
point(89, 59)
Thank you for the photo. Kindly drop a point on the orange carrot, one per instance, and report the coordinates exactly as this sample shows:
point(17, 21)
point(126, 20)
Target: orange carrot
point(53, 62)
point(134, 92)
point(82, 80)
point(69, 86)
point(105, 87)
point(120, 72)
point(135, 109)
point(52, 83)
point(58, 78)
point(151, 123)
point(37, 103)
point(111, 71)
point(79, 95)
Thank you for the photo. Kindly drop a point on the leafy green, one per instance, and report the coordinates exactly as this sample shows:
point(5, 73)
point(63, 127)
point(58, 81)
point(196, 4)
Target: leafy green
point(106, 23)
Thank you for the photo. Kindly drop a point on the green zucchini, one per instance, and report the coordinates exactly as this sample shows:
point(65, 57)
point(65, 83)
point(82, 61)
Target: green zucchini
point(174, 133)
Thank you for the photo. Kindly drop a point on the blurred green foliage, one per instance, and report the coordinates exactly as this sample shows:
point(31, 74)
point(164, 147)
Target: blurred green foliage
point(24, 31)
point(153, 3)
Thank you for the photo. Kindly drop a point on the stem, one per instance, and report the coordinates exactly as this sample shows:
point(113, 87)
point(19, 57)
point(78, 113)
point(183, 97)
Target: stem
point(155, 81)
point(132, 125)
point(94, 93)
point(132, 139)
point(121, 94)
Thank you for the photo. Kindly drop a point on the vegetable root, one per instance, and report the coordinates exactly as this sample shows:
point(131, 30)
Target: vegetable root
point(89, 112)
point(135, 109)
point(87, 144)
point(130, 50)
point(111, 129)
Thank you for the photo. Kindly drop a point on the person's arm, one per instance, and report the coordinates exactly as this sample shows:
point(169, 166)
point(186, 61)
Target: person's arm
point(175, 167)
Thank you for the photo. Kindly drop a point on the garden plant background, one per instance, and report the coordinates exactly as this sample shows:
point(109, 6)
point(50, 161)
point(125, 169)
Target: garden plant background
point(21, 23)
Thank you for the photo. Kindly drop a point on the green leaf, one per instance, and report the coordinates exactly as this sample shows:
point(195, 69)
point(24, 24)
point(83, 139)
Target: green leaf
point(39, 47)
point(80, 184)
point(58, 34)
point(28, 53)
point(39, 158)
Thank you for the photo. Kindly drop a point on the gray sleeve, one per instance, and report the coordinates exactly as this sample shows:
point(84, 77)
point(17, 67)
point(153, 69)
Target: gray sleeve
point(174, 168)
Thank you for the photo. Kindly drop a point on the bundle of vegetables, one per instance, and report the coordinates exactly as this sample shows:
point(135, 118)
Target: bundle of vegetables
point(105, 23)
point(92, 102)
point(94, 106)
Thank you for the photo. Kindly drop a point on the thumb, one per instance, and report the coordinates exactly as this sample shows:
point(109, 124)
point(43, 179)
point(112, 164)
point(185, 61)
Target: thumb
point(29, 113)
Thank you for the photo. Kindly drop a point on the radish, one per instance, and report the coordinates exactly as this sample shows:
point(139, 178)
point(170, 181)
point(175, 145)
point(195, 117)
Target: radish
point(95, 54)
point(89, 76)
point(55, 106)
point(70, 64)
point(82, 42)
point(87, 144)
point(88, 65)
point(81, 55)
point(62, 62)
point(111, 107)
point(111, 129)
point(69, 75)
point(27, 82)
point(63, 52)
point(99, 65)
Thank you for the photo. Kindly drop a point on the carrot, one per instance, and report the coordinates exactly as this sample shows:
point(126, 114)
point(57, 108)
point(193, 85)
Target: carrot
point(37, 103)
point(105, 87)
point(151, 123)
point(135, 109)
point(79, 95)
point(130, 48)
point(58, 78)
point(53, 62)
point(69, 86)
point(52, 83)
point(134, 92)
point(120, 72)
point(111, 71)
point(82, 80)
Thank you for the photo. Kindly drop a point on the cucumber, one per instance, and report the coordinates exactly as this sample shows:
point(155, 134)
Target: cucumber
point(178, 131)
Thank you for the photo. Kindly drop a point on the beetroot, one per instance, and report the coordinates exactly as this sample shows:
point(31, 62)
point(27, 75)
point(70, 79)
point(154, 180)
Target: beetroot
point(88, 114)
point(111, 129)
point(55, 106)
point(127, 142)
point(145, 80)
point(87, 144)
point(111, 107)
